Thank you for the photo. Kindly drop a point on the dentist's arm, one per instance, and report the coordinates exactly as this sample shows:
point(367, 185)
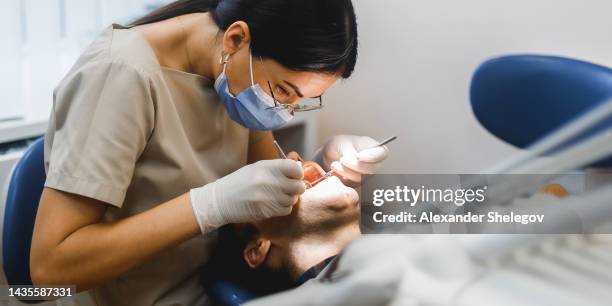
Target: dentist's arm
point(72, 246)
point(262, 149)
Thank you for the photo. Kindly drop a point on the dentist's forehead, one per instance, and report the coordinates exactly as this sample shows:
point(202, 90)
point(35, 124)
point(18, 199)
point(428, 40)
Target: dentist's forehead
point(309, 84)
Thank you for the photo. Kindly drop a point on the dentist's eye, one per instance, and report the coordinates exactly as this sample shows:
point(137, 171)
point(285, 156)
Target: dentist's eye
point(282, 91)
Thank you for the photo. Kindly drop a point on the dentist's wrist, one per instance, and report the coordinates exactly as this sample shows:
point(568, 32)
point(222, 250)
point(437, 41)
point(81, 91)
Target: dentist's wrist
point(205, 208)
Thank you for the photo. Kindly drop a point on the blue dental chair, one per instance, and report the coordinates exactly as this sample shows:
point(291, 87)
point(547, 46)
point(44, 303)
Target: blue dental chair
point(523, 98)
point(25, 188)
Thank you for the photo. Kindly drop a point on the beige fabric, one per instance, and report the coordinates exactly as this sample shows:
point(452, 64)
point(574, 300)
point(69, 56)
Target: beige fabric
point(130, 133)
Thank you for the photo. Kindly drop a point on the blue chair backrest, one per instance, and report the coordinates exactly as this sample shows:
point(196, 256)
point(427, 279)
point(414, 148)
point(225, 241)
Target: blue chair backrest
point(523, 98)
point(25, 188)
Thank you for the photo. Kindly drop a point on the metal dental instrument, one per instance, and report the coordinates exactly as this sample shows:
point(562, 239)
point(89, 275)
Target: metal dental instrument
point(332, 171)
point(384, 142)
point(327, 175)
point(280, 150)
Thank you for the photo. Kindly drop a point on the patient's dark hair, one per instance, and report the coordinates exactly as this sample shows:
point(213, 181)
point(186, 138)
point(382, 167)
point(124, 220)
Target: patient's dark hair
point(227, 264)
point(302, 35)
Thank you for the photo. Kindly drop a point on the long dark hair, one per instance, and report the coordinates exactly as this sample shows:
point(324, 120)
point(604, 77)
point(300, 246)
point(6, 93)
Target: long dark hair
point(302, 35)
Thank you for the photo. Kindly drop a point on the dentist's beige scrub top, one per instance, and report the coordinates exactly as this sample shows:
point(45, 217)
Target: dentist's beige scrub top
point(130, 133)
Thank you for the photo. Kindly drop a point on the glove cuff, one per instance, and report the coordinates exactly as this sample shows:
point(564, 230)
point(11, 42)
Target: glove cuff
point(205, 207)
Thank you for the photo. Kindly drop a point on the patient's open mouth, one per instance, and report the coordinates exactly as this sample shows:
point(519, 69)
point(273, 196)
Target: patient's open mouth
point(312, 173)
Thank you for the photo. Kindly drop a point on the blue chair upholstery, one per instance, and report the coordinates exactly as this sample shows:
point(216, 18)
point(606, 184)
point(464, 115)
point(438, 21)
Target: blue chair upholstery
point(25, 188)
point(523, 98)
point(228, 294)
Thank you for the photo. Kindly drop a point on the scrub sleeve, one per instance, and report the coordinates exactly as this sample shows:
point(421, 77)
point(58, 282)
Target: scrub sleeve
point(99, 139)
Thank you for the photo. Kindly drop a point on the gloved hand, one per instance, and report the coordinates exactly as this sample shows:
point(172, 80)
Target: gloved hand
point(258, 191)
point(351, 156)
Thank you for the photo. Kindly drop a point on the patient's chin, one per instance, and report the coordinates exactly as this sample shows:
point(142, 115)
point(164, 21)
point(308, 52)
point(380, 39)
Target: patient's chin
point(343, 201)
point(347, 201)
point(326, 206)
point(344, 198)
point(342, 210)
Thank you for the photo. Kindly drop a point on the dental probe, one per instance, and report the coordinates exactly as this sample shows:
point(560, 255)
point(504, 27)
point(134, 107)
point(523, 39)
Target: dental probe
point(332, 171)
point(280, 150)
point(384, 142)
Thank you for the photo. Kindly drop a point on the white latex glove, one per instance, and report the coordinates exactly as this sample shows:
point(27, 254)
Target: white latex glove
point(352, 156)
point(258, 191)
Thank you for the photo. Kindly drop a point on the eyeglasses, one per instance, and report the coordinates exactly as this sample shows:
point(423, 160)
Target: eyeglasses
point(305, 105)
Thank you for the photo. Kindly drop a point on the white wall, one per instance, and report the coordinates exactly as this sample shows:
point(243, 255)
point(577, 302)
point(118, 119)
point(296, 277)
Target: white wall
point(41, 41)
point(415, 65)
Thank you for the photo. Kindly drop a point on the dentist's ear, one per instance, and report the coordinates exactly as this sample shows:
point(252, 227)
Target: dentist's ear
point(236, 37)
point(256, 251)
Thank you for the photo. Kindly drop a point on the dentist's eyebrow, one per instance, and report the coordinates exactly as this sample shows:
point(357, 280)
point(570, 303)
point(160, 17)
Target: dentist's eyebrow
point(297, 89)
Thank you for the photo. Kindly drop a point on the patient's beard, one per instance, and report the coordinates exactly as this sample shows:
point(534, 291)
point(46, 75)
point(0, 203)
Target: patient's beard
point(227, 263)
point(308, 251)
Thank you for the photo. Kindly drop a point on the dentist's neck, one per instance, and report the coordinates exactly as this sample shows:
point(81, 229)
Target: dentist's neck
point(191, 43)
point(204, 42)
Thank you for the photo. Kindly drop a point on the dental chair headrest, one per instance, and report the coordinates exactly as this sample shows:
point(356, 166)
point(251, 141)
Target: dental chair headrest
point(523, 98)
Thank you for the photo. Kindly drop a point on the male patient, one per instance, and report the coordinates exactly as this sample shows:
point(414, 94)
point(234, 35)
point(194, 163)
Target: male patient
point(280, 253)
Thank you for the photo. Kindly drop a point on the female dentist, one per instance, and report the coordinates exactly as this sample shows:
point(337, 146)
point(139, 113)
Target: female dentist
point(160, 134)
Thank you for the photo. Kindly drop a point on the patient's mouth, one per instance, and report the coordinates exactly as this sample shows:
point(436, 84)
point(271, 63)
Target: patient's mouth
point(312, 173)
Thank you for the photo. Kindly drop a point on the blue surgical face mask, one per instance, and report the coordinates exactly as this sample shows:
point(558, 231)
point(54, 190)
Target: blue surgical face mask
point(252, 108)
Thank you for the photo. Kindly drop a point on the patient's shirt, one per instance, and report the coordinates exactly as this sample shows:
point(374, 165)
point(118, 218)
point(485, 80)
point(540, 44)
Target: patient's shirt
point(314, 272)
point(132, 134)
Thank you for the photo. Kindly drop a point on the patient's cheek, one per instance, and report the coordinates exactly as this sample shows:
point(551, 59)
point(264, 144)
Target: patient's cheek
point(346, 195)
point(336, 194)
point(351, 196)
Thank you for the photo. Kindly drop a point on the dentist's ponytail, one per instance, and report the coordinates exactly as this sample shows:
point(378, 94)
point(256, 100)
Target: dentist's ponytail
point(302, 35)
